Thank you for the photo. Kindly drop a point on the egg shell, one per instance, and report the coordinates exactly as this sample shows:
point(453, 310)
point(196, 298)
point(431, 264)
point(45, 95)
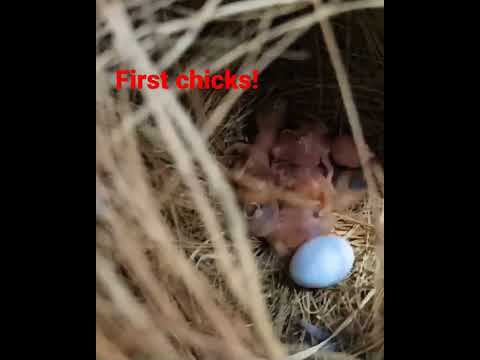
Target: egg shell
point(321, 262)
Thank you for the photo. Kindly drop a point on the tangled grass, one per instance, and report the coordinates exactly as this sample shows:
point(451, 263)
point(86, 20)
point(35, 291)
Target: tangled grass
point(177, 275)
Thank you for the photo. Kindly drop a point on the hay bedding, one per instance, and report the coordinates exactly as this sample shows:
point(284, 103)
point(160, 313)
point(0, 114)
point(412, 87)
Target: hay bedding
point(170, 314)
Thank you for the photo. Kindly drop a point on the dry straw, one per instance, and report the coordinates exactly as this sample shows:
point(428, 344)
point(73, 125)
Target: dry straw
point(177, 275)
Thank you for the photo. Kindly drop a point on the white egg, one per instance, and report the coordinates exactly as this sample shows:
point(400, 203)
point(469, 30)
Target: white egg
point(322, 262)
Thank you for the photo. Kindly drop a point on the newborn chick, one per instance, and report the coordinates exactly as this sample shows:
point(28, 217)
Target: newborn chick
point(307, 181)
point(344, 151)
point(260, 208)
point(269, 121)
point(300, 164)
point(262, 218)
point(297, 225)
point(308, 146)
point(298, 161)
point(350, 189)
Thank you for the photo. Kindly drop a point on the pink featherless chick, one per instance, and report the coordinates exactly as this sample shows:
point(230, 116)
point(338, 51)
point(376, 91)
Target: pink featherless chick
point(350, 189)
point(345, 152)
point(350, 185)
point(307, 146)
point(302, 223)
point(260, 208)
point(297, 225)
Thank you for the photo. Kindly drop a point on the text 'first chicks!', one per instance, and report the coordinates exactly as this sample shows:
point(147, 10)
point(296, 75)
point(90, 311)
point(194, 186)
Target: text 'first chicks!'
point(183, 81)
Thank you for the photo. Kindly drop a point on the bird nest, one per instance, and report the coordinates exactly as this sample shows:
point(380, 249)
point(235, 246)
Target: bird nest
point(178, 277)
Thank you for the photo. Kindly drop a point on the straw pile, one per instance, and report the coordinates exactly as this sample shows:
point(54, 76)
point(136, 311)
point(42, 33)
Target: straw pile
point(177, 275)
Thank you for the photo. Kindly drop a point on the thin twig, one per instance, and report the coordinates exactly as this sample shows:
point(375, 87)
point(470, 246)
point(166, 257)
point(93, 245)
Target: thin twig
point(240, 7)
point(349, 103)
